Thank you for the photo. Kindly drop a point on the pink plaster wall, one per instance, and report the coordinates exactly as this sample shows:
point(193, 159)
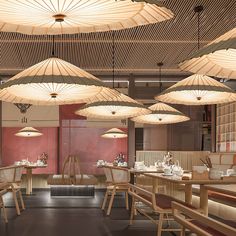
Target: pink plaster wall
point(76, 138)
point(17, 148)
point(90, 146)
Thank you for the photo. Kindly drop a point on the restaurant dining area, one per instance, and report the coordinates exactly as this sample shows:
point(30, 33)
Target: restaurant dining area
point(118, 117)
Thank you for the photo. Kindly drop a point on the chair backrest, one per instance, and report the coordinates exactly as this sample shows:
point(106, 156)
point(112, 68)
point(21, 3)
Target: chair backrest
point(117, 175)
point(71, 166)
point(146, 197)
point(108, 174)
point(186, 217)
point(11, 174)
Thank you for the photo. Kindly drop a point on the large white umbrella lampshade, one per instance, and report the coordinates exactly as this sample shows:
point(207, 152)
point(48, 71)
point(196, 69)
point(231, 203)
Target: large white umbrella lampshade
point(197, 90)
point(78, 16)
point(215, 59)
point(51, 82)
point(161, 114)
point(111, 104)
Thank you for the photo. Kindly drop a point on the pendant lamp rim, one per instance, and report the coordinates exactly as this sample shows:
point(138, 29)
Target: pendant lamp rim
point(114, 133)
point(197, 84)
point(54, 18)
point(70, 78)
point(26, 131)
point(196, 87)
point(214, 59)
point(176, 119)
point(53, 79)
point(51, 82)
point(161, 109)
point(113, 103)
point(211, 48)
point(218, 87)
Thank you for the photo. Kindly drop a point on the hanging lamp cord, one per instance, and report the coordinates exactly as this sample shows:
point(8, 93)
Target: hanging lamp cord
point(160, 64)
point(53, 45)
point(113, 59)
point(160, 79)
point(198, 30)
point(198, 10)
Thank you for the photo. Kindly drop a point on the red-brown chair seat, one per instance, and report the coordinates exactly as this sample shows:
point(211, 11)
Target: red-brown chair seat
point(164, 201)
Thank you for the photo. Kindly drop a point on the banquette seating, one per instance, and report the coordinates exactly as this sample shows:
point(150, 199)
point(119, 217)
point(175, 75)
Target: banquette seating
point(71, 174)
point(223, 161)
point(200, 224)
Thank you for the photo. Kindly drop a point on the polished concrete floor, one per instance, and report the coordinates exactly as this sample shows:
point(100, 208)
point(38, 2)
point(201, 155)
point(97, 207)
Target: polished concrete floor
point(46, 216)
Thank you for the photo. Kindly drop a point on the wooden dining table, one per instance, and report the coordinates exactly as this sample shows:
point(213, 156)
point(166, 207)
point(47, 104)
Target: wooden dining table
point(29, 170)
point(188, 186)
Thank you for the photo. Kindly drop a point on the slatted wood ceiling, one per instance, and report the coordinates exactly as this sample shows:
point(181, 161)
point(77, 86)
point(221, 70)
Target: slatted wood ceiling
point(137, 50)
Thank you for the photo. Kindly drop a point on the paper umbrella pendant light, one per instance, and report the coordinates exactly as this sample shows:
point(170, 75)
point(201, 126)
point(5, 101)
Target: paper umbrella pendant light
point(28, 132)
point(114, 133)
point(78, 16)
point(197, 90)
point(111, 104)
point(51, 82)
point(161, 114)
point(218, 58)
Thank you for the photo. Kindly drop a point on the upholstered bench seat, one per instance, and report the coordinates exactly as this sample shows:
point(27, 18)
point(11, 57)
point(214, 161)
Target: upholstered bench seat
point(85, 180)
point(59, 180)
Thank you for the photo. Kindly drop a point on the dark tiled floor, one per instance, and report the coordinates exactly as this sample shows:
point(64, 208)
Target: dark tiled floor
point(65, 222)
point(67, 217)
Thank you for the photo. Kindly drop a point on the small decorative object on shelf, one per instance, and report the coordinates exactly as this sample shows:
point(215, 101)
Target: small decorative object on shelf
point(43, 158)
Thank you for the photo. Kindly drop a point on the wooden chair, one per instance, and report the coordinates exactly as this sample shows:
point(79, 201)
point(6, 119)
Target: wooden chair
point(3, 190)
point(199, 223)
point(12, 175)
point(153, 205)
point(118, 180)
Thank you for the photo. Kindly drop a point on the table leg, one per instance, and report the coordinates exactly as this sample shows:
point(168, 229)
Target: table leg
point(188, 193)
point(204, 199)
point(29, 181)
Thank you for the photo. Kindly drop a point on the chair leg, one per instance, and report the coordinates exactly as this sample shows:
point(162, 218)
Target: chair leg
point(160, 222)
point(105, 200)
point(21, 200)
point(111, 201)
point(132, 212)
point(182, 233)
point(16, 202)
point(3, 210)
point(127, 200)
